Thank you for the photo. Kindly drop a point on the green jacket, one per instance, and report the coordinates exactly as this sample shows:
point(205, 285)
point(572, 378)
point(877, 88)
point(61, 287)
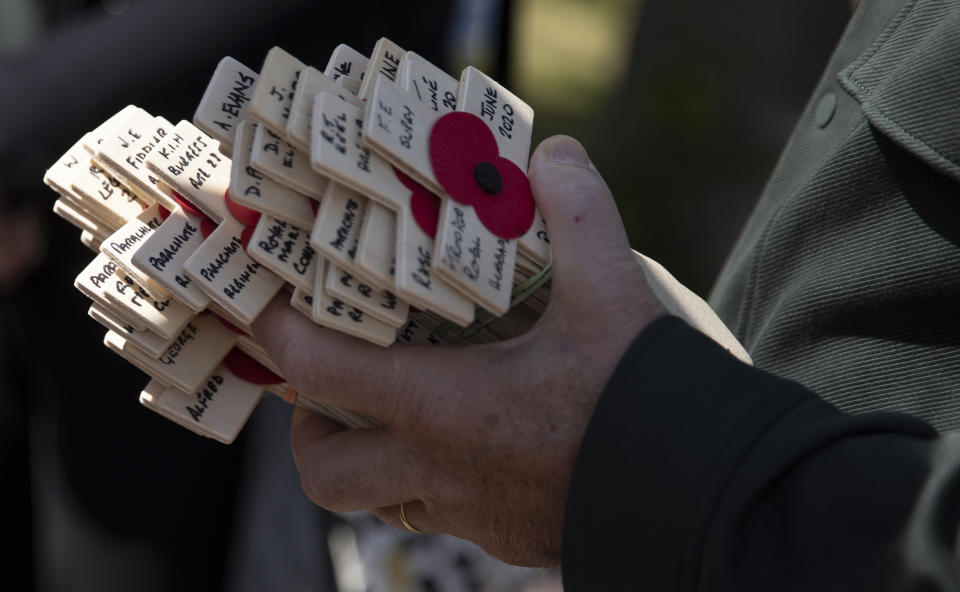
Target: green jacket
point(847, 276)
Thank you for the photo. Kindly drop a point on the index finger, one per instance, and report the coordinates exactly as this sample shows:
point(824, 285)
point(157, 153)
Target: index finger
point(387, 384)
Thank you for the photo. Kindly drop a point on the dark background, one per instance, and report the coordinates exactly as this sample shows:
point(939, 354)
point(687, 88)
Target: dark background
point(682, 104)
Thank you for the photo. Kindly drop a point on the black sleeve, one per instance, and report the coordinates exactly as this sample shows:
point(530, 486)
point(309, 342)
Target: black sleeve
point(698, 472)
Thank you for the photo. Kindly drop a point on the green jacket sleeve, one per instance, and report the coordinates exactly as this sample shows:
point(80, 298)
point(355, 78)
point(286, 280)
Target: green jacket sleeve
point(698, 472)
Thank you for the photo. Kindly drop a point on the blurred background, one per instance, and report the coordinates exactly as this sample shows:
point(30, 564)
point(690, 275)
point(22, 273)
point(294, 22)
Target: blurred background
point(682, 104)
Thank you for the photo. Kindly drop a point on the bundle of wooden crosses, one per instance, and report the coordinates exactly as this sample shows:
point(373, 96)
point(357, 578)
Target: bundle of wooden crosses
point(387, 198)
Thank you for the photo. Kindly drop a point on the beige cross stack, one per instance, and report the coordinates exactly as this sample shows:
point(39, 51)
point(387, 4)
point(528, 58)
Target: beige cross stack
point(297, 180)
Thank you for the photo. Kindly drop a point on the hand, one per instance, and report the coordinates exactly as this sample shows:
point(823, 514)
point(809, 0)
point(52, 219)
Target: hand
point(477, 441)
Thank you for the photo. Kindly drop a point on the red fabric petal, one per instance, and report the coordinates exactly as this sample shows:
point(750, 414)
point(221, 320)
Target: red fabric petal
point(187, 205)
point(245, 236)
point(243, 214)
point(458, 141)
point(207, 226)
point(426, 211)
point(229, 325)
point(424, 205)
point(405, 179)
point(249, 369)
point(510, 213)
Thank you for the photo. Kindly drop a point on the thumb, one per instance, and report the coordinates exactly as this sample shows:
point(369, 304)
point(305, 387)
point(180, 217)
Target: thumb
point(586, 234)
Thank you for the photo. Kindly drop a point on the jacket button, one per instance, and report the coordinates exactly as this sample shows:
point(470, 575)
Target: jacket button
point(825, 109)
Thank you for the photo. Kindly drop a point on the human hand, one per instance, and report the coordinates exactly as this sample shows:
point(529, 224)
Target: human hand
point(477, 441)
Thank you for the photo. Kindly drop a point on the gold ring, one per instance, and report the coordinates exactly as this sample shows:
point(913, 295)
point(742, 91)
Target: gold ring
point(406, 523)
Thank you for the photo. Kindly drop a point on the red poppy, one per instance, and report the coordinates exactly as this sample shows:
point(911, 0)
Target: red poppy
point(244, 215)
point(247, 368)
point(187, 205)
point(207, 226)
point(468, 165)
point(229, 325)
point(424, 205)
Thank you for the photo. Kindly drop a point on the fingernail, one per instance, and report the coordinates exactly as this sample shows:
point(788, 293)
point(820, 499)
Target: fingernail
point(566, 150)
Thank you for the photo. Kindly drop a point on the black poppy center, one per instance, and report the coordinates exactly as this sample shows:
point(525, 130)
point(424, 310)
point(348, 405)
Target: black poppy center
point(488, 177)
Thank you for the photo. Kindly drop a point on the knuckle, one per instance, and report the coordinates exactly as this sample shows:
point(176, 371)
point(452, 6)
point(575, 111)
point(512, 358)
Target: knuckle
point(405, 390)
point(288, 355)
point(388, 387)
point(323, 489)
point(309, 483)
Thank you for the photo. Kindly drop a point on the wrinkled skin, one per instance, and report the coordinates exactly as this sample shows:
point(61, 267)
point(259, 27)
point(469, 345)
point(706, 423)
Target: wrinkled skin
point(477, 441)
